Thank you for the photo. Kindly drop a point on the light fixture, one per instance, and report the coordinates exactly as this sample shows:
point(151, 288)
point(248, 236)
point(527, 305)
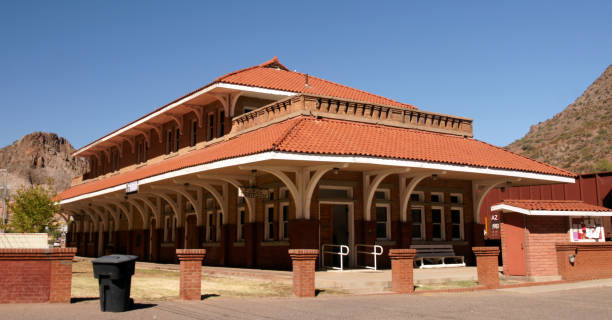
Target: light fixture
point(336, 170)
point(503, 189)
point(186, 184)
point(434, 177)
point(572, 259)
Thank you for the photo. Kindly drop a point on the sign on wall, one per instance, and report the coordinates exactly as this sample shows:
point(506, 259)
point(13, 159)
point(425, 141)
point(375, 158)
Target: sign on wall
point(586, 229)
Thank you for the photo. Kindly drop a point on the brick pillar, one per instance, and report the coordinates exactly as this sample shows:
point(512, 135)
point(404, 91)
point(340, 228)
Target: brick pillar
point(191, 272)
point(304, 271)
point(487, 266)
point(61, 275)
point(402, 280)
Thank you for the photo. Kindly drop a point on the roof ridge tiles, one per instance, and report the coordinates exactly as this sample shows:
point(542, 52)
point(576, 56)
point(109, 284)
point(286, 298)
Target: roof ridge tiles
point(356, 89)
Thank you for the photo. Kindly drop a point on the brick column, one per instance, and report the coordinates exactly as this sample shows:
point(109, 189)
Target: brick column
point(486, 264)
point(304, 271)
point(402, 280)
point(61, 275)
point(191, 272)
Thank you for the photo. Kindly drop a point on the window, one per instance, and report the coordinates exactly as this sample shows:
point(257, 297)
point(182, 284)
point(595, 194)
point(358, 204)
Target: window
point(456, 198)
point(416, 196)
point(457, 223)
point(240, 225)
point(284, 221)
point(335, 192)
point(209, 226)
point(219, 224)
point(418, 223)
point(269, 223)
point(270, 194)
point(382, 194)
point(437, 221)
point(283, 193)
point(169, 142)
point(437, 197)
point(383, 225)
point(247, 109)
point(91, 230)
point(221, 123)
point(177, 139)
point(142, 152)
point(94, 166)
point(114, 160)
point(194, 132)
point(174, 222)
point(210, 133)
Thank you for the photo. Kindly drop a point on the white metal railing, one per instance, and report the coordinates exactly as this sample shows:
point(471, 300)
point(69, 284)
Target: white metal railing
point(375, 251)
point(343, 250)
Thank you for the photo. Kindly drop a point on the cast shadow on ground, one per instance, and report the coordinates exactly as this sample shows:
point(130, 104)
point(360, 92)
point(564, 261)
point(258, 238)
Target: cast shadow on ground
point(83, 299)
point(318, 291)
point(206, 296)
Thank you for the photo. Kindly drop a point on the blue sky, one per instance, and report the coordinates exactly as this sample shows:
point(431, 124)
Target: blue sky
point(84, 68)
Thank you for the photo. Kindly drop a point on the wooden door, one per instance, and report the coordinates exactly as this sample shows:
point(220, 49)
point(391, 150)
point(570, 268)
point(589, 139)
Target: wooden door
point(326, 214)
point(515, 263)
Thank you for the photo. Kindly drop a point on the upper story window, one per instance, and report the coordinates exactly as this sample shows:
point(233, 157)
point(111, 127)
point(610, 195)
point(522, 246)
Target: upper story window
point(169, 142)
point(114, 160)
point(194, 133)
point(177, 139)
point(142, 151)
point(221, 123)
point(210, 132)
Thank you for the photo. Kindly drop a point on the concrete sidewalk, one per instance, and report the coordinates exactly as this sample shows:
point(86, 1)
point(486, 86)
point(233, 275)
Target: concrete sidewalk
point(592, 303)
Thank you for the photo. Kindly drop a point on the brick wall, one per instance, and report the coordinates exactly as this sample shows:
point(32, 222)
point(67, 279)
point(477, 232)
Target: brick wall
point(592, 260)
point(543, 233)
point(36, 275)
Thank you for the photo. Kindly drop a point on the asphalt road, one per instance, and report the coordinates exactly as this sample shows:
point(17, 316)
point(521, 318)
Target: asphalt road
point(591, 303)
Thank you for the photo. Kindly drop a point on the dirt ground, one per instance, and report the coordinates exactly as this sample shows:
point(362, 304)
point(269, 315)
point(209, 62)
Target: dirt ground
point(161, 285)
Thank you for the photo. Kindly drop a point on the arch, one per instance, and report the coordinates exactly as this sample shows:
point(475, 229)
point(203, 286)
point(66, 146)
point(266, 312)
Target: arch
point(196, 206)
point(487, 186)
point(167, 198)
point(144, 215)
point(406, 191)
point(370, 187)
point(150, 204)
point(218, 196)
point(113, 213)
point(123, 209)
point(250, 203)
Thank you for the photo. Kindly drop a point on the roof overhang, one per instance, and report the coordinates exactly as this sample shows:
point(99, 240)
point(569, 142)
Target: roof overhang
point(214, 88)
point(508, 208)
point(286, 159)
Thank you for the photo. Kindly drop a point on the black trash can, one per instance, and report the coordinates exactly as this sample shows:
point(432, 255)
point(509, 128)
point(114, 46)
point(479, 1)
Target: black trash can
point(114, 273)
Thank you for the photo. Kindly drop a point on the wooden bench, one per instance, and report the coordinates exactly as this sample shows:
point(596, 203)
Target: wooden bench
point(436, 256)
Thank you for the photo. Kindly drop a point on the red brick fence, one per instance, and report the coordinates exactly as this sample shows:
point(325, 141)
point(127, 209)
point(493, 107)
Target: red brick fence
point(588, 260)
point(36, 275)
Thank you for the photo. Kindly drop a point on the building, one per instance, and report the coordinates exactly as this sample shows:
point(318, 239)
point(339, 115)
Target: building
point(265, 159)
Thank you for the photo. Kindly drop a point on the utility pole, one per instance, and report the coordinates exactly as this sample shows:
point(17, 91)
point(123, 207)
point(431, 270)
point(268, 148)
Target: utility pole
point(4, 194)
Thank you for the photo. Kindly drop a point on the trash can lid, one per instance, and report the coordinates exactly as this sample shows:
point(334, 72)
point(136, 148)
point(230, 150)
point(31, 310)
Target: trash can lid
point(115, 259)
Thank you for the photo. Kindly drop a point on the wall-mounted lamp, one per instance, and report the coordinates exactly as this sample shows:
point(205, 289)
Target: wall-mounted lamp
point(503, 189)
point(434, 177)
point(572, 259)
point(186, 184)
point(336, 170)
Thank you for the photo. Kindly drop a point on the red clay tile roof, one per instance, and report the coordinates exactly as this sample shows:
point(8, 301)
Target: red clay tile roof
point(554, 205)
point(273, 75)
point(308, 135)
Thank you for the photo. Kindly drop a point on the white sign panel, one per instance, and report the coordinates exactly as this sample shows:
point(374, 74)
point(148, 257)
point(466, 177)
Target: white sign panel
point(131, 187)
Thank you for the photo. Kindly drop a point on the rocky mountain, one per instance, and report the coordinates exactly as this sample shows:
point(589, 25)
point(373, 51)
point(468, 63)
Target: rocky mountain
point(38, 157)
point(578, 138)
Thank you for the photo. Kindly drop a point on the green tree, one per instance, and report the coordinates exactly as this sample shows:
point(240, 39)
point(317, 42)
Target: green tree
point(33, 210)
